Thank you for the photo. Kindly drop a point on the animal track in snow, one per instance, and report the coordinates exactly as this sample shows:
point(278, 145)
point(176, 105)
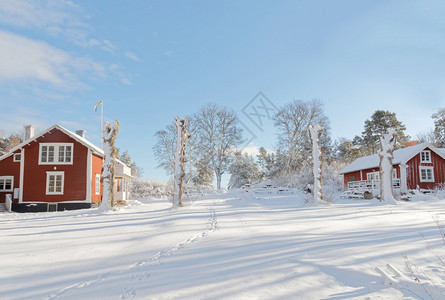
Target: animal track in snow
point(156, 259)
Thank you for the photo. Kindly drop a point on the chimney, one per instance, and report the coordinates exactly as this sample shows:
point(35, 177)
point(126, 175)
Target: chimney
point(29, 132)
point(81, 133)
point(411, 143)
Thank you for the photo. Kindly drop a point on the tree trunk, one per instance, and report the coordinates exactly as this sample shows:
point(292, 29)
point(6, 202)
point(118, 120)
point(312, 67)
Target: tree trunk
point(180, 160)
point(218, 176)
point(387, 143)
point(315, 133)
point(108, 167)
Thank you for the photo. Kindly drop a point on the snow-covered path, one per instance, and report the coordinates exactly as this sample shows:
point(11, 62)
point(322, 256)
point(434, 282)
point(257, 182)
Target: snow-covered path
point(224, 247)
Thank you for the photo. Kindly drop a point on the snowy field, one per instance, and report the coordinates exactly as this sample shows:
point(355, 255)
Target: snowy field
point(235, 245)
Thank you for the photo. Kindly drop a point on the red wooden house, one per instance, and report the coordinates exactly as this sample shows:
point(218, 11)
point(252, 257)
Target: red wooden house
point(421, 166)
point(53, 171)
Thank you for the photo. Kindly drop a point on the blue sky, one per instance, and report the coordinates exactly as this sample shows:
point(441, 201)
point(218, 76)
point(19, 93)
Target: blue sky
point(152, 60)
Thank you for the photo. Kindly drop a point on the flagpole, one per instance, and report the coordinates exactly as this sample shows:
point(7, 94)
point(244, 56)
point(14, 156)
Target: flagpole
point(101, 124)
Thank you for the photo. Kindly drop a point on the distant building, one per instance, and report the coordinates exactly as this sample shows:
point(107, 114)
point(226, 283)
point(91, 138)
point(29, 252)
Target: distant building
point(421, 166)
point(56, 170)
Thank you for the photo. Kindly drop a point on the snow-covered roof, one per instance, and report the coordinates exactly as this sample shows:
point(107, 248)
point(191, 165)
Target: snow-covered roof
point(73, 135)
point(401, 156)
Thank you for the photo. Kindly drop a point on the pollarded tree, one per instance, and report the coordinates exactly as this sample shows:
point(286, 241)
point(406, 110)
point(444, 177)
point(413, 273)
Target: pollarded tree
point(165, 147)
point(376, 126)
point(439, 127)
point(293, 121)
point(219, 134)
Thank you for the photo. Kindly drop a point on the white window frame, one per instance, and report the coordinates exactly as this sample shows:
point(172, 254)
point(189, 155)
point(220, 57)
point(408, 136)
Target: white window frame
point(55, 173)
point(375, 176)
point(15, 157)
point(4, 178)
point(56, 153)
point(427, 153)
point(97, 185)
point(426, 179)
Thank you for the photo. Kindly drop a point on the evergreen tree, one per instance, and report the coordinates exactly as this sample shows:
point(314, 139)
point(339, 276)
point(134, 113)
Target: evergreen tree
point(439, 127)
point(243, 170)
point(347, 151)
point(126, 159)
point(376, 126)
point(203, 174)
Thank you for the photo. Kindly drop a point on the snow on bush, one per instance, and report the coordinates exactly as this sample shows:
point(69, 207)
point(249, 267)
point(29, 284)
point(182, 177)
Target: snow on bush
point(142, 188)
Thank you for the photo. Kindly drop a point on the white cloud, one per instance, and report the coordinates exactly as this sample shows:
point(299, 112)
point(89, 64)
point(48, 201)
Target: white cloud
point(126, 81)
point(58, 18)
point(24, 58)
point(40, 13)
point(132, 56)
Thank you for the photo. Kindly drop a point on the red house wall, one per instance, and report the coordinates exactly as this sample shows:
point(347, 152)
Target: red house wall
point(35, 174)
point(364, 174)
point(10, 168)
point(97, 169)
point(413, 172)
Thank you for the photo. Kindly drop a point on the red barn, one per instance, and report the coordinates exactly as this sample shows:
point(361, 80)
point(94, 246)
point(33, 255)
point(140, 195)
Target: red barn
point(53, 171)
point(421, 166)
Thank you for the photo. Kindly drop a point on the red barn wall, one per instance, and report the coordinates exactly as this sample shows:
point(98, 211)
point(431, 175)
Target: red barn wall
point(97, 169)
point(35, 174)
point(10, 168)
point(363, 174)
point(413, 172)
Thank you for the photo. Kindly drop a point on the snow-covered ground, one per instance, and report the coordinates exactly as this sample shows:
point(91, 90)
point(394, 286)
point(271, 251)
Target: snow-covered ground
point(235, 245)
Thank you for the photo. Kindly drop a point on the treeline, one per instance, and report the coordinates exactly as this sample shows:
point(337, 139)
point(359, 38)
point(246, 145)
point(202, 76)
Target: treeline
point(216, 135)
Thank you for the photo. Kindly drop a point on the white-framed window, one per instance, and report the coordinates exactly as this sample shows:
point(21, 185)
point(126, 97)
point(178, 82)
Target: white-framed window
point(56, 153)
point(17, 157)
point(426, 174)
point(373, 176)
point(55, 183)
point(425, 156)
point(6, 183)
point(97, 186)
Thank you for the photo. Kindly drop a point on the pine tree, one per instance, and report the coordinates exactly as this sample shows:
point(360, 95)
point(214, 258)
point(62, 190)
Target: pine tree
point(379, 124)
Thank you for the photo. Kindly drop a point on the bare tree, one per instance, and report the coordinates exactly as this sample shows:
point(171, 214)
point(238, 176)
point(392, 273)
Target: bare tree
point(219, 135)
point(293, 121)
point(108, 167)
point(428, 136)
point(164, 149)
